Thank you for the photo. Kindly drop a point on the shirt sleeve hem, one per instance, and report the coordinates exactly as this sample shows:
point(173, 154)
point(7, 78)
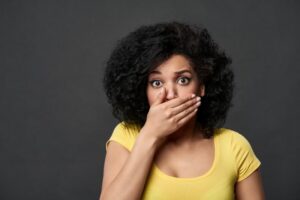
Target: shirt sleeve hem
point(255, 167)
point(112, 139)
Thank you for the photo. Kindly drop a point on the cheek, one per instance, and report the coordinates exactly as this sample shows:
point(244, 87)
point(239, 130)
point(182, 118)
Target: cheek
point(151, 95)
point(184, 91)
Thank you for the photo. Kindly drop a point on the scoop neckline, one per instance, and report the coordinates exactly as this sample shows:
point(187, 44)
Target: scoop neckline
point(207, 173)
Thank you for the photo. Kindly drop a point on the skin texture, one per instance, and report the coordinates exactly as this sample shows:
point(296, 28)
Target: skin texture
point(172, 92)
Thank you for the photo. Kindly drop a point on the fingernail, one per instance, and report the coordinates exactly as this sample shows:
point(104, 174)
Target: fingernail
point(198, 98)
point(193, 95)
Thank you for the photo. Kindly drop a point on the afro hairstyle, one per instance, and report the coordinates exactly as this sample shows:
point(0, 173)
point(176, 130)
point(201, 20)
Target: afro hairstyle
point(134, 56)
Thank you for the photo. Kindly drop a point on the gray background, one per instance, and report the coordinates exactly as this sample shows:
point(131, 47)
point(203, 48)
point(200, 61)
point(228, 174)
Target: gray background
point(54, 115)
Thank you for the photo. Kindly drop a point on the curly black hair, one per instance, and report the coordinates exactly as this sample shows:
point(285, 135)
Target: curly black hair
point(128, 67)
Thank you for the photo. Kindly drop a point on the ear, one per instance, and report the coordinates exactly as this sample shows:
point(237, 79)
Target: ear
point(202, 90)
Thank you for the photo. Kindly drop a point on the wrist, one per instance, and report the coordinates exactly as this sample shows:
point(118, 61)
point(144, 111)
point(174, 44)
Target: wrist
point(149, 139)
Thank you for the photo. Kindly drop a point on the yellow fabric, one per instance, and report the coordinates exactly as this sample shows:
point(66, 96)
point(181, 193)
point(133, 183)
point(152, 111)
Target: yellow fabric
point(234, 161)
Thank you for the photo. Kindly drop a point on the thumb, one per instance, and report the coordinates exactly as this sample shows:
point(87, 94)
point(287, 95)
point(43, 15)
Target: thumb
point(160, 97)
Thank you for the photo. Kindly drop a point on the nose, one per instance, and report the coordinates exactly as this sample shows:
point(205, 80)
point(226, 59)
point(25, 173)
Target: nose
point(171, 92)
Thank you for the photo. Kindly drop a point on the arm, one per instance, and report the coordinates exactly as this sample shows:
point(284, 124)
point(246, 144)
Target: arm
point(250, 188)
point(127, 183)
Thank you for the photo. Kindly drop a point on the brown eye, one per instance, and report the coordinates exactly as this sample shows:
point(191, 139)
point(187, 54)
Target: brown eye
point(183, 80)
point(156, 83)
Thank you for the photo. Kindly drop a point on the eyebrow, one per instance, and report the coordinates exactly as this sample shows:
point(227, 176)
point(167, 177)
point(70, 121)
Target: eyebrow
point(183, 71)
point(178, 72)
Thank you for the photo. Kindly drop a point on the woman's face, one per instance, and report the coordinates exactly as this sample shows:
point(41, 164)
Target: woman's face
point(178, 78)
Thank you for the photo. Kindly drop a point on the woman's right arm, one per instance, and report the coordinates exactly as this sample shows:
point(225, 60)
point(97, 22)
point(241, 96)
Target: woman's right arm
point(128, 182)
point(125, 173)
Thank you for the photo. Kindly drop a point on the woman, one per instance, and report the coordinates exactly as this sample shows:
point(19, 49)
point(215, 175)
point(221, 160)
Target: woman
point(171, 87)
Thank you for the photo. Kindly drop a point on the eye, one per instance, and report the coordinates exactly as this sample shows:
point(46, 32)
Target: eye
point(156, 83)
point(184, 80)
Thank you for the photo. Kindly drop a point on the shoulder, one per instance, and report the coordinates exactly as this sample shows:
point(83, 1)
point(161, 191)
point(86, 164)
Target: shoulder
point(243, 155)
point(233, 137)
point(124, 134)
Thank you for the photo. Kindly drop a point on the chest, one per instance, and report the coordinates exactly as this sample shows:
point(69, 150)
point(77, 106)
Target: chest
point(185, 162)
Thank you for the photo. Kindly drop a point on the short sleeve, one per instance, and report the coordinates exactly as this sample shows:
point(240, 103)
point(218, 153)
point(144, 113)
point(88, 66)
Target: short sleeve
point(245, 159)
point(124, 135)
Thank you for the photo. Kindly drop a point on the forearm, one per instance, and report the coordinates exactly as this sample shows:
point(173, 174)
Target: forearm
point(130, 181)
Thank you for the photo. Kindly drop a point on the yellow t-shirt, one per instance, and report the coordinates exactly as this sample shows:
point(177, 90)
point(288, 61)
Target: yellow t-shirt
point(234, 161)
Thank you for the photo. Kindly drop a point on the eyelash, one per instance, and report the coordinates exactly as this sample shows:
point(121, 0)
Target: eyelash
point(180, 78)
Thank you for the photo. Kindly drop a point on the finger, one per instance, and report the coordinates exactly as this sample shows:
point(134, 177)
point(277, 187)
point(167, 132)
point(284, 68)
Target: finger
point(178, 101)
point(183, 107)
point(160, 97)
point(187, 111)
point(185, 119)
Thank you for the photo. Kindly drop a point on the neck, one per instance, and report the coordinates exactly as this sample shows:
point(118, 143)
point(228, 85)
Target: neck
point(187, 134)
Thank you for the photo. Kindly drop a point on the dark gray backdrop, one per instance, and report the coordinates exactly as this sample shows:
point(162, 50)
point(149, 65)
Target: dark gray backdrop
point(54, 115)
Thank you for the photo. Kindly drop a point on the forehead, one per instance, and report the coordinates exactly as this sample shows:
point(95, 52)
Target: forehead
point(173, 64)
